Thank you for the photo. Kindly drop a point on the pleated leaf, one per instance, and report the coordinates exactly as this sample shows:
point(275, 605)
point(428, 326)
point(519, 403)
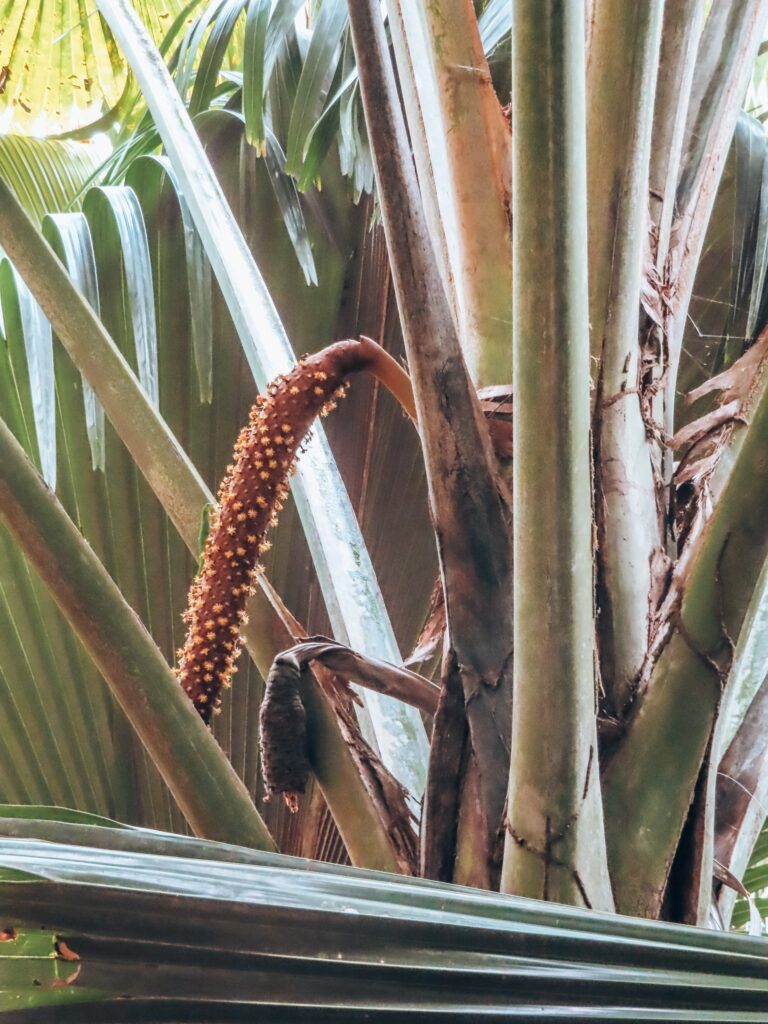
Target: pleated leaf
point(61, 67)
point(168, 929)
point(254, 61)
point(133, 254)
point(46, 175)
point(755, 882)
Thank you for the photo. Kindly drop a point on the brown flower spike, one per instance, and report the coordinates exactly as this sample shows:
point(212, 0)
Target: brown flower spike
point(249, 499)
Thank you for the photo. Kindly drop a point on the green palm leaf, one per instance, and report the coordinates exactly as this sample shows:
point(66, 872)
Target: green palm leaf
point(46, 175)
point(254, 61)
point(175, 929)
point(62, 67)
point(111, 503)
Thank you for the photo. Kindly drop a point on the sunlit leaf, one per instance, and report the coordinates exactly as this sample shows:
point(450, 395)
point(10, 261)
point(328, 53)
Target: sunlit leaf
point(62, 67)
point(46, 175)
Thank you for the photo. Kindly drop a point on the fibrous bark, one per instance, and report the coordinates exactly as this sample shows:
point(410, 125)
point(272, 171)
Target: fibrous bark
point(650, 780)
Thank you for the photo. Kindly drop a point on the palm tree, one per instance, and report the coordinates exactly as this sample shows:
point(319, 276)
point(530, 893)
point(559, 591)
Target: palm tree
point(581, 719)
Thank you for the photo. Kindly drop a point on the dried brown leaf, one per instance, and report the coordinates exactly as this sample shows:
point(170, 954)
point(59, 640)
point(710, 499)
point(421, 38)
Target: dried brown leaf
point(64, 982)
point(696, 470)
point(387, 794)
point(695, 431)
point(63, 951)
point(432, 631)
point(651, 293)
point(496, 405)
point(737, 381)
point(661, 575)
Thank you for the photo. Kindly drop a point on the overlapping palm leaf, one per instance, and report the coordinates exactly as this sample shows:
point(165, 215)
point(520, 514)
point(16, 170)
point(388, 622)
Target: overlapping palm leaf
point(151, 277)
point(60, 67)
point(132, 925)
point(292, 96)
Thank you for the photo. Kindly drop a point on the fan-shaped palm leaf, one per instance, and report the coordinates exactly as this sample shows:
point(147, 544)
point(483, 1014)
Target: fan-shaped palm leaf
point(162, 928)
point(60, 66)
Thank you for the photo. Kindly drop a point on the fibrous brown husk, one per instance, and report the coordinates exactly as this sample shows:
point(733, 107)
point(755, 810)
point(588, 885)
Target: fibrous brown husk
point(283, 726)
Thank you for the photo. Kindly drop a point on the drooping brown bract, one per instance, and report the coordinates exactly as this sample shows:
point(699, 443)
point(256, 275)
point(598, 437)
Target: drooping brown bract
point(249, 500)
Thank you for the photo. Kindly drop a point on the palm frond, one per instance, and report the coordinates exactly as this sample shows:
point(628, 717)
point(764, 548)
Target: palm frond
point(46, 175)
point(167, 928)
point(204, 395)
point(86, 74)
point(756, 882)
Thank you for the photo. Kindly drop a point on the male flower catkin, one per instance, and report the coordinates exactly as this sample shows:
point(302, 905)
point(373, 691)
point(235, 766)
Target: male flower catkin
point(249, 499)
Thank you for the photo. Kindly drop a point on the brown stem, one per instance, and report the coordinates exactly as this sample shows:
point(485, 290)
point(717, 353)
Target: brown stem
point(440, 816)
point(390, 373)
point(471, 520)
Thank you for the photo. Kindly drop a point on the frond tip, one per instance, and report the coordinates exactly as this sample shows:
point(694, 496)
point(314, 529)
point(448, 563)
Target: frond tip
point(249, 500)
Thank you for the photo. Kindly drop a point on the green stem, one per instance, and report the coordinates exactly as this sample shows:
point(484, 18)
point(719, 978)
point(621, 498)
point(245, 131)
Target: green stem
point(680, 38)
point(649, 783)
point(621, 83)
point(204, 784)
point(554, 847)
point(680, 35)
point(452, 107)
point(722, 68)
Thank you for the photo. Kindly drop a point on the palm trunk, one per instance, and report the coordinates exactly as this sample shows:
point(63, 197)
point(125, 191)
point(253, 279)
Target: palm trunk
point(469, 515)
point(626, 466)
point(554, 846)
point(649, 783)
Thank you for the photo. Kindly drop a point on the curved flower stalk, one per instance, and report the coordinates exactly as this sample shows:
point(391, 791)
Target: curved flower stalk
point(249, 500)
